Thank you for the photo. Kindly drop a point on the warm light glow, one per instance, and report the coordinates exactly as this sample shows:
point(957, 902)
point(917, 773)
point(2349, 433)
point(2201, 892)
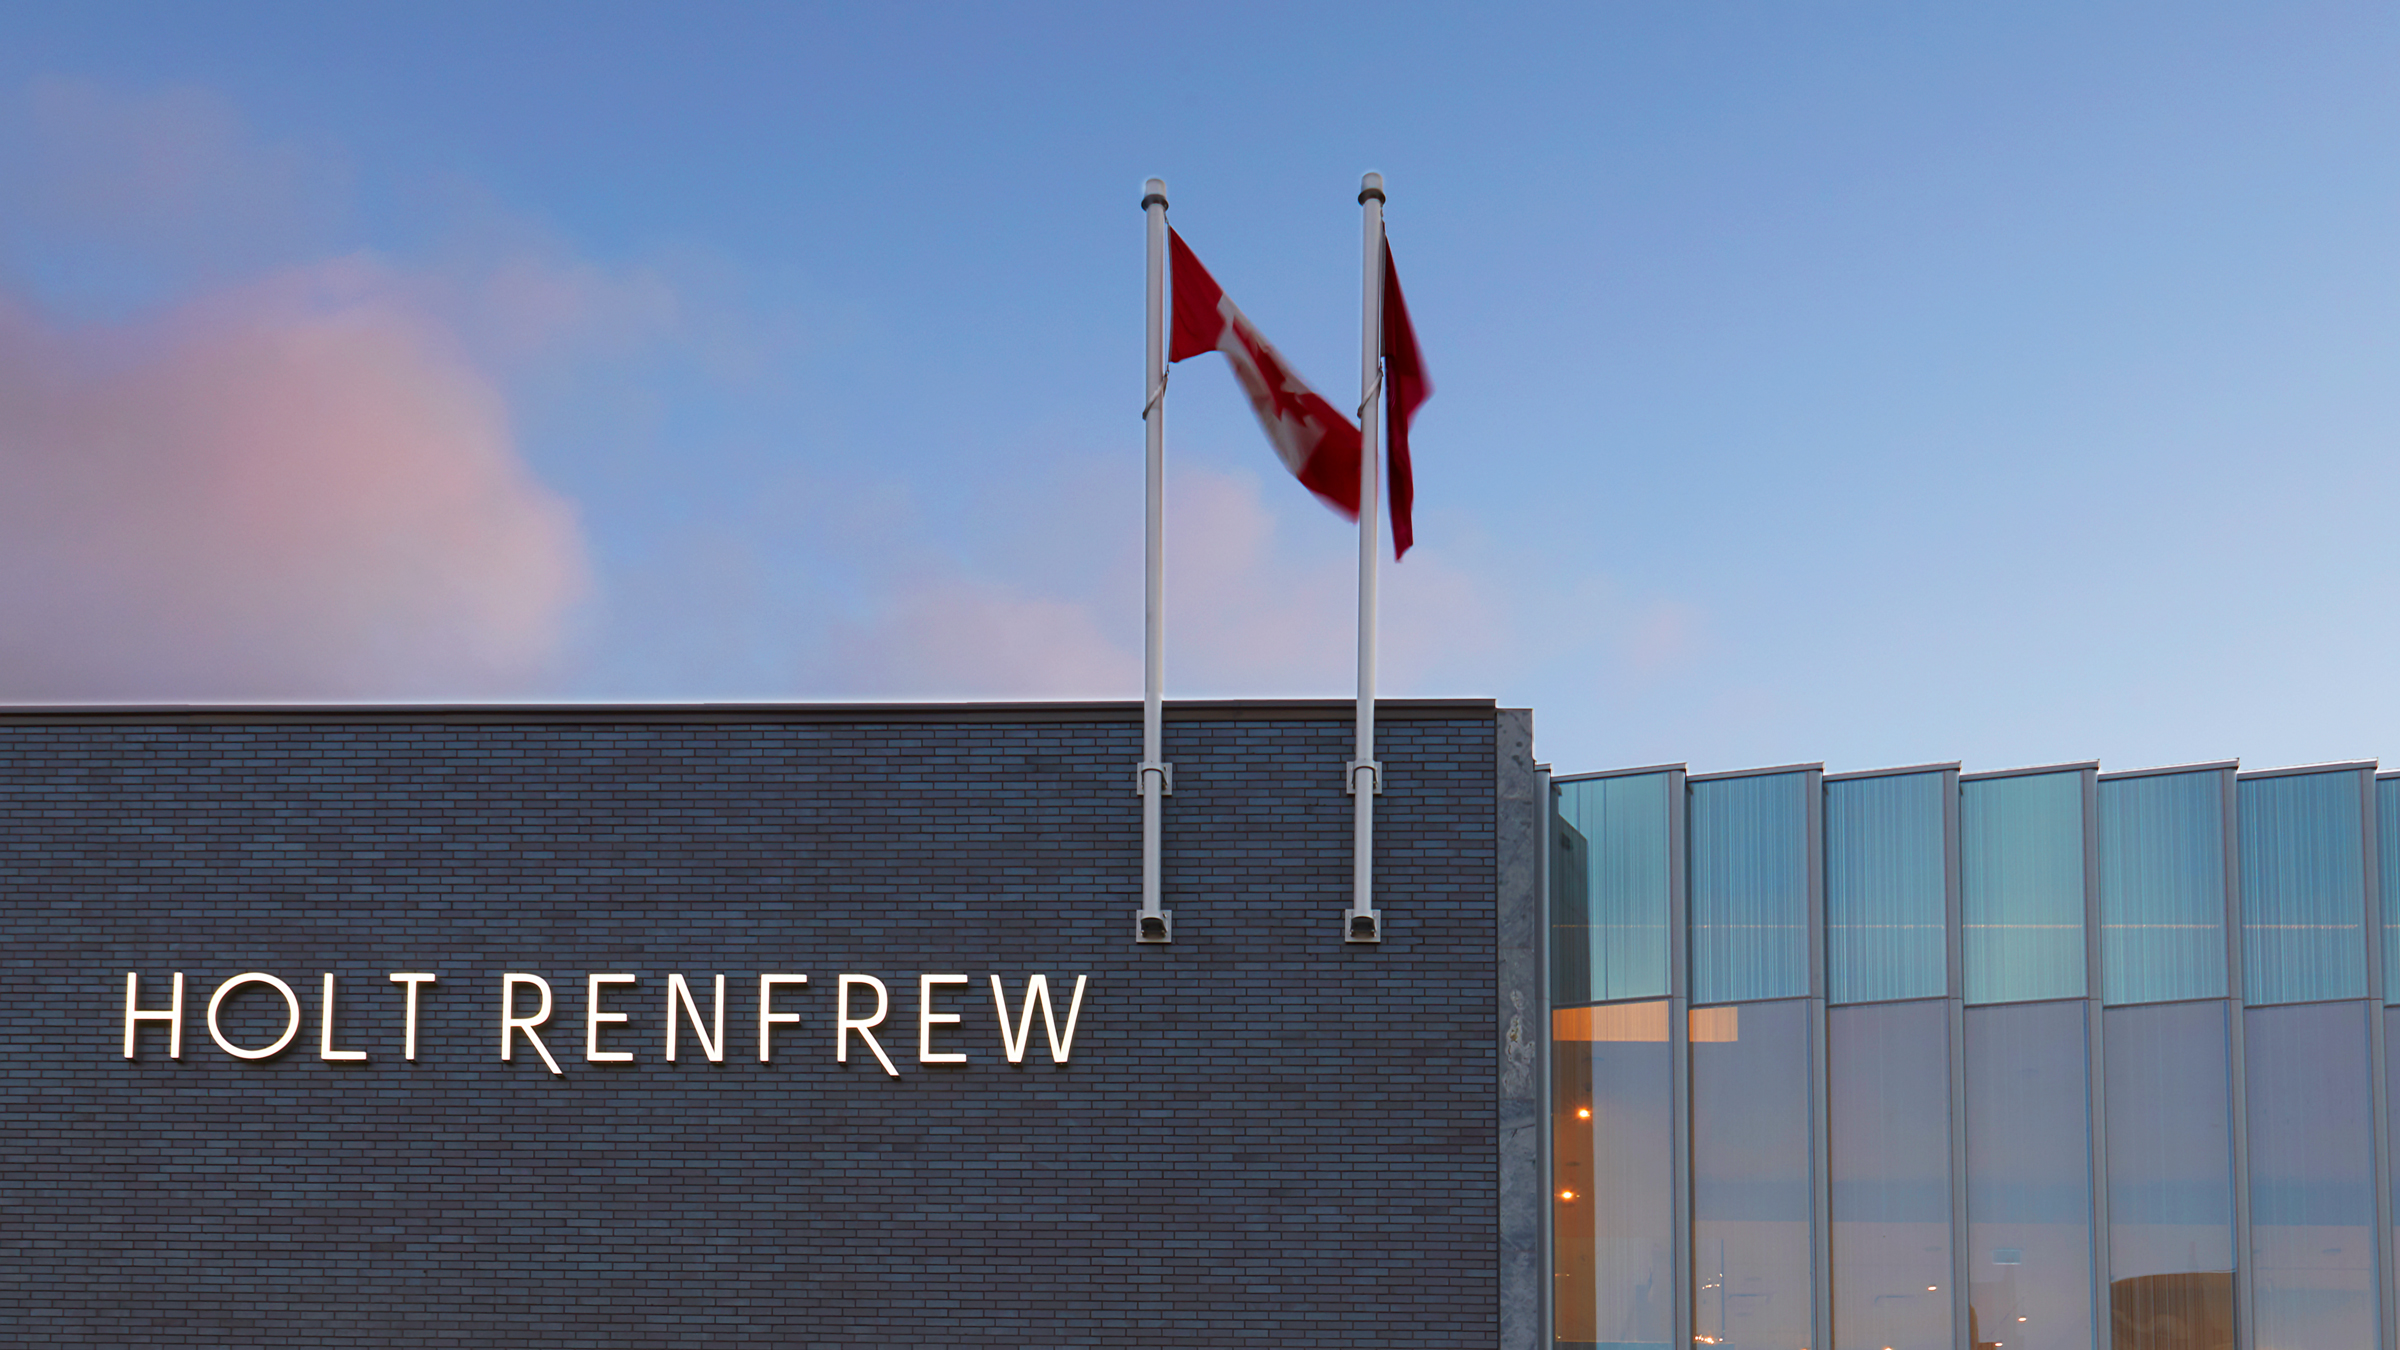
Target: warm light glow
point(1583, 1113)
point(1566, 1195)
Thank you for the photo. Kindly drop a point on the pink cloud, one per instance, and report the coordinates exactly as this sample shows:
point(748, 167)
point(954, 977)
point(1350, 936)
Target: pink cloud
point(170, 176)
point(293, 489)
point(961, 637)
point(1258, 605)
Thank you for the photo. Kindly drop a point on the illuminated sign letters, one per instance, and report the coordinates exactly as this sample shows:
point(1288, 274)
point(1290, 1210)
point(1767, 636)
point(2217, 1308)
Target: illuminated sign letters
point(861, 1004)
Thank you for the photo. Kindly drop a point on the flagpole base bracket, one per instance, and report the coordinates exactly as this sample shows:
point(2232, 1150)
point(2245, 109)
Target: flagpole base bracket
point(1366, 927)
point(1159, 927)
point(1166, 778)
point(1351, 769)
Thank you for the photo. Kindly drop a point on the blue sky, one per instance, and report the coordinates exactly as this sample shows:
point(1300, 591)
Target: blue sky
point(1865, 383)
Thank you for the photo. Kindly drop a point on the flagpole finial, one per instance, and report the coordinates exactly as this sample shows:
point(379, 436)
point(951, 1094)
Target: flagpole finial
point(1154, 192)
point(1370, 186)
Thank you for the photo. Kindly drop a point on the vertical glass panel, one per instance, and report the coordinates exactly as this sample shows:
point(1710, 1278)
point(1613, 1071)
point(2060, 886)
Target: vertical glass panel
point(2162, 887)
point(1611, 875)
point(1890, 1082)
point(2021, 878)
point(2029, 1176)
point(2312, 1175)
point(1750, 1176)
point(1612, 1189)
point(2170, 1176)
point(2391, 1079)
point(1885, 883)
point(2304, 888)
point(1749, 887)
point(2387, 854)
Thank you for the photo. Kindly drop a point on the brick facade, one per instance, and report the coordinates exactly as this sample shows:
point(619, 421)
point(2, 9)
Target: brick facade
point(1263, 1137)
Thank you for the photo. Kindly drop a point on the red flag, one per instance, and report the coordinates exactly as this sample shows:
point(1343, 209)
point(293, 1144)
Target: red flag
point(1404, 387)
point(1314, 441)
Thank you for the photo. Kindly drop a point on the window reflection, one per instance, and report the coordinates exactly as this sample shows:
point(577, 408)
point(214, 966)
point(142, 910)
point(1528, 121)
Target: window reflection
point(1890, 1078)
point(2029, 1179)
point(1612, 1197)
point(1886, 883)
point(2170, 1177)
point(2304, 887)
point(1610, 876)
point(1750, 887)
point(1750, 1176)
point(2312, 1176)
point(2162, 886)
point(2022, 886)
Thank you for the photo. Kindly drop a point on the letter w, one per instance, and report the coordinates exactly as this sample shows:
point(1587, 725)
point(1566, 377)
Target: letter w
point(1037, 991)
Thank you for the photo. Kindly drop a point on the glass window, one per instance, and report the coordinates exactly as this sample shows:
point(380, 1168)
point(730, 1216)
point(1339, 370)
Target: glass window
point(1750, 887)
point(2021, 878)
point(1751, 1179)
point(1612, 1192)
point(2162, 887)
point(2391, 1069)
point(1889, 1067)
point(2170, 1176)
point(1886, 885)
point(2304, 888)
point(1610, 877)
point(2312, 1175)
point(2029, 1176)
point(2387, 852)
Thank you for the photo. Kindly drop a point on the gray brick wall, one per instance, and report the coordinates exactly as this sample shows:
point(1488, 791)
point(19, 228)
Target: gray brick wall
point(1264, 1137)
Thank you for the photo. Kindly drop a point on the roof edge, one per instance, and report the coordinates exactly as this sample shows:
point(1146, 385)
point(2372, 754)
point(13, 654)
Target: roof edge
point(555, 714)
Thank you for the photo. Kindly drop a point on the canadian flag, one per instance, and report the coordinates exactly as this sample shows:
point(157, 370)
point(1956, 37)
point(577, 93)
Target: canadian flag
point(1312, 438)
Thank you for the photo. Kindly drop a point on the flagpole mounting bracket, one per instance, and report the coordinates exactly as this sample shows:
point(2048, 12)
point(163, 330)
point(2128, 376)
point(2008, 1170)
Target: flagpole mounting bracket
point(1166, 778)
point(1372, 768)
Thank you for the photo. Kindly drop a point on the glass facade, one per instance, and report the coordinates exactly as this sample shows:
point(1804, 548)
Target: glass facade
point(1887, 885)
point(2312, 1176)
point(2171, 1199)
point(2162, 886)
point(2304, 887)
point(1612, 1175)
point(2029, 1175)
point(2051, 1060)
point(1753, 1176)
point(2022, 885)
point(1752, 884)
point(1612, 868)
point(1889, 1071)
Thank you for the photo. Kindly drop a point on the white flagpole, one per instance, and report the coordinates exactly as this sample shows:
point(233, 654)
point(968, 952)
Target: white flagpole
point(1155, 777)
point(1365, 774)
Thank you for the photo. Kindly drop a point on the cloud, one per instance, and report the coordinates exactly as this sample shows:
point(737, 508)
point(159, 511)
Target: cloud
point(1256, 607)
point(129, 191)
point(956, 636)
point(294, 488)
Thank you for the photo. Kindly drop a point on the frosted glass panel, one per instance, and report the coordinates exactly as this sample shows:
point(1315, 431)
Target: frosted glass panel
point(2304, 888)
point(2021, 874)
point(2170, 1176)
point(1751, 1180)
point(1749, 887)
point(1610, 876)
point(2312, 1175)
point(1612, 1193)
point(2029, 1178)
point(1889, 1067)
point(2162, 887)
point(2387, 852)
point(1885, 877)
